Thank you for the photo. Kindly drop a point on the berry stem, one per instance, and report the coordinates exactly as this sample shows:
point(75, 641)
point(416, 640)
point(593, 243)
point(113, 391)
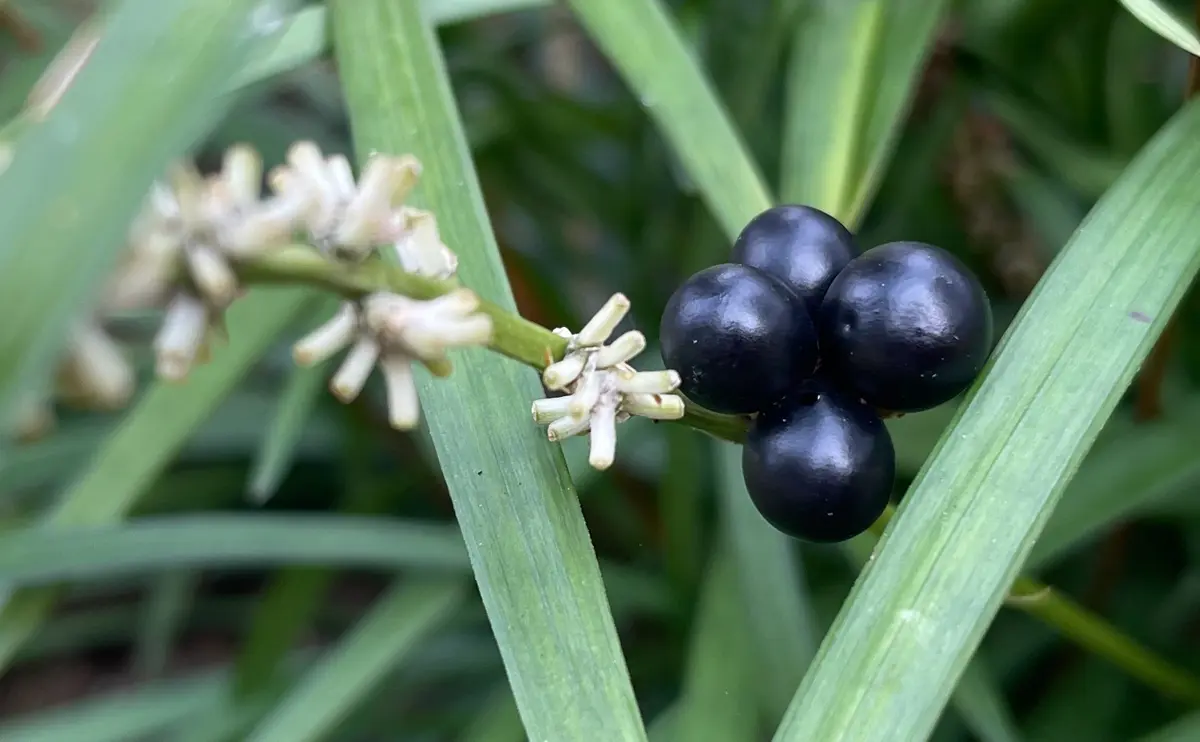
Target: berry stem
point(1091, 633)
point(512, 335)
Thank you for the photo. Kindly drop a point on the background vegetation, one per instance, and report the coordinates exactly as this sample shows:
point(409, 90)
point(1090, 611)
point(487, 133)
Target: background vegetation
point(241, 557)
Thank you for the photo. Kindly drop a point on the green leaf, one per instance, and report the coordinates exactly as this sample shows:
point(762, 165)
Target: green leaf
point(148, 438)
point(781, 621)
point(293, 410)
point(971, 517)
point(850, 78)
point(519, 516)
point(149, 91)
point(980, 701)
point(1124, 476)
point(977, 698)
point(683, 528)
point(1166, 22)
point(120, 717)
point(400, 619)
point(40, 555)
point(498, 722)
point(641, 40)
point(165, 608)
point(718, 694)
point(1183, 729)
point(305, 36)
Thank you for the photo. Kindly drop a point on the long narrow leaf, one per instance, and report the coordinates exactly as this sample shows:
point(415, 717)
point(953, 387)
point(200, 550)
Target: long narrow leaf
point(402, 617)
point(1163, 20)
point(948, 558)
point(528, 544)
point(150, 89)
point(853, 69)
point(640, 39)
point(35, 555)
point(780, 619)
point(718, 694)
point(147, 440)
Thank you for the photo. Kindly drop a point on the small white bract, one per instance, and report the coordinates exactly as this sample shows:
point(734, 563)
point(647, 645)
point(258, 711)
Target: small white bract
point(347, 220)
point(603, 389)
point(393, 331)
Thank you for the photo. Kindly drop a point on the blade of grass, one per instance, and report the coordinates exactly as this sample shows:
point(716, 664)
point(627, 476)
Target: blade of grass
point(129, 715)
point(853, 67)
point(717, 704)
point(980, 702)
point(1166, 22)
point(640, 39)
point(683, 531)
point(150, 89)
point(148, 438)
point(1157, 461)
point(977, 697)
point(306, 34)
point(40, 555)
point(294, 598)
point(513, 498)
point(400, 619)
point(293, 409)
point(904, 38)
point(164, 609)
point(948, 558)
point(780, 619)
point(1183, 729)
point(828, 71)
point(498, 722)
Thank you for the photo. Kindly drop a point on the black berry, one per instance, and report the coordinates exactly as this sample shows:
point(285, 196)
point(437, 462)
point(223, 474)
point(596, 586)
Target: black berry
point(738, 338)
point(819, 467)
point(803, 247)
point(905, 326)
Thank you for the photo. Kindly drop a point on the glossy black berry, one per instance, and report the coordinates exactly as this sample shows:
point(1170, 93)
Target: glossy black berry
point(803, 247)
point(819, 467)
point(738, 338)
point(905, 326)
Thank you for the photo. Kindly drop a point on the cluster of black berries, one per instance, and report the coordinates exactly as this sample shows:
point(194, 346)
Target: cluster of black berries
point(818, 342)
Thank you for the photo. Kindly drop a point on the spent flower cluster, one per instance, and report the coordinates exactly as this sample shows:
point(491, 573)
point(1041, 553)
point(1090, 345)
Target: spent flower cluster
point(194, 231)
point(602, 388)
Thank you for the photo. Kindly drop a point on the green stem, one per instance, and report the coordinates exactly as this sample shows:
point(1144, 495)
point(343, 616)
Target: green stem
point(512, 335)
point(1100, 637)
point(534, 345)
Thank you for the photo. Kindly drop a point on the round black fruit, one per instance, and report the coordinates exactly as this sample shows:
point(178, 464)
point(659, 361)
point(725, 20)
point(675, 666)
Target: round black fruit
point(738, 338)
point(905, 326)
point(803, 247)
point(819, 467)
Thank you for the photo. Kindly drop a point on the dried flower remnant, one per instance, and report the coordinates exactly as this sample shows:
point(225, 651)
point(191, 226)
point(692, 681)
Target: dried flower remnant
point(205, 224)
point(347, 220)
point(392, 332)
point(602, 388)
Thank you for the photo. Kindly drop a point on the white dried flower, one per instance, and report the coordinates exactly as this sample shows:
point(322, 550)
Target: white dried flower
point(393, 331)
point(348, 219)
point(206, 225)
point(603, 389)
point(94, 372)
